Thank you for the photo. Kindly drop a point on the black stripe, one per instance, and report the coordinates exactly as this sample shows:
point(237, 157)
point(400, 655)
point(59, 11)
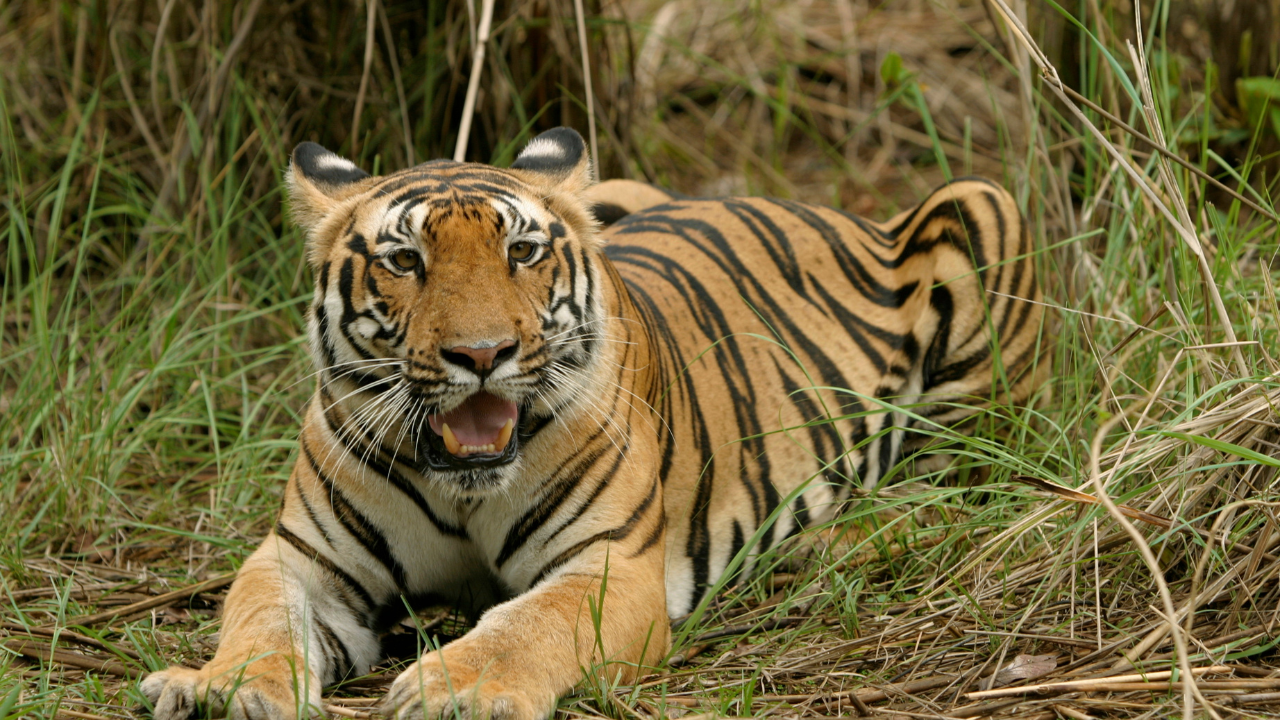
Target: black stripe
point(563, 481)
point(340, 669)
point(302, 546)
point(601, 484)
point(355, 522)
point(616, 534)
point(654, 536)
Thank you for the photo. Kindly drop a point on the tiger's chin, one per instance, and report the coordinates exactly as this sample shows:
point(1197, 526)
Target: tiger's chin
point(471, 475)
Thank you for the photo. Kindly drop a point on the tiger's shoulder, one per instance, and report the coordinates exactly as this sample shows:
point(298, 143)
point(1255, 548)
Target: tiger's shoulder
point(612, 200)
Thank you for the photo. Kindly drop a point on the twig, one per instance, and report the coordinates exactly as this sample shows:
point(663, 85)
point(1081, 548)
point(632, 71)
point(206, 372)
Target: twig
point(348, 712)
point(64, 634)
point(1189, 235)
point(973, 711)
point(1071, 712)
point(43, 651)
point(1252, 699)
point(870, 695)
point(134, 109)
point(1144, 549)
point(80, 715)
point(744, 628)
point(1067, 493)
point(155, 602)
point(155, 66)
point(473, 83)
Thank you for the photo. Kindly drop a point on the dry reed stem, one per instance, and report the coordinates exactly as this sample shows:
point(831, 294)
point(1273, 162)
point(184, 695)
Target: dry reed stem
point(154, 602)
point(371, 24)
point(1091, 683)
point(1187, 233)
point(1157, 574)
point(580, 16)
point(473, 82)
point(409, 152)
point(1186, 227)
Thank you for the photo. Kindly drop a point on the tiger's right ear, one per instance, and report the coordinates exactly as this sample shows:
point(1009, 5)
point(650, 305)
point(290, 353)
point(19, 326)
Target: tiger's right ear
point(318, 181)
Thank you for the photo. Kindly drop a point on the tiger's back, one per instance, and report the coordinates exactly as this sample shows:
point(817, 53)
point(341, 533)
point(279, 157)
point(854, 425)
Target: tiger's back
point(796, 345)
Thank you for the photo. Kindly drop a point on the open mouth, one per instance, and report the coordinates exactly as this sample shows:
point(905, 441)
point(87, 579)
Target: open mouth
point(481, 432)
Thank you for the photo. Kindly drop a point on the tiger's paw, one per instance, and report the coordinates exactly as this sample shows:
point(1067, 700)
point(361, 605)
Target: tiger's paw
point(258, 693)
point(436, 687)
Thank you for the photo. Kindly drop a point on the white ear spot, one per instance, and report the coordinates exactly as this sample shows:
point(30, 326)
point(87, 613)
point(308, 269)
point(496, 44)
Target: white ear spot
point(543, 149)
point(555, 152)
point(319, 165)
point(334, 162)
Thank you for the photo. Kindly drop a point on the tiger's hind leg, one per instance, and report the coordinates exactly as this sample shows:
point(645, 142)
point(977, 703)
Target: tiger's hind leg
point(977, 339)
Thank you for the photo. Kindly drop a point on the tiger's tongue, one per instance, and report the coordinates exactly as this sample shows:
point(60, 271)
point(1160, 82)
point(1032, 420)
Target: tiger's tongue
point(478, 420)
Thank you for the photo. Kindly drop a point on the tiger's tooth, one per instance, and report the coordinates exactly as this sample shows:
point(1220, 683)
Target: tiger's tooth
point(450, 440)
point(504, 436)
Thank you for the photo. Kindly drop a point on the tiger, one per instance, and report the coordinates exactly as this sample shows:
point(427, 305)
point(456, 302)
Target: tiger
point(573, 409)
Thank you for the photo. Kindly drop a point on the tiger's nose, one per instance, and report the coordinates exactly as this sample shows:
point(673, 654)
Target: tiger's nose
point(480, 360)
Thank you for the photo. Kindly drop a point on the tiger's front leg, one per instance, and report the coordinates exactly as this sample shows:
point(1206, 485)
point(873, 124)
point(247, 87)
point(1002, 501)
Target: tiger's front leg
point(289, 628)
point(597, 607)
point(527, 652)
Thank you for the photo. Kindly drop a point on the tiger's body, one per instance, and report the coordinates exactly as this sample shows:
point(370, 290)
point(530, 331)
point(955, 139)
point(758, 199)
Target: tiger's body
point(580, 429)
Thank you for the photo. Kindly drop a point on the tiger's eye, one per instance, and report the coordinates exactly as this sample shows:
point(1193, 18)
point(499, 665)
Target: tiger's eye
point(521, 250)
point(405, 259)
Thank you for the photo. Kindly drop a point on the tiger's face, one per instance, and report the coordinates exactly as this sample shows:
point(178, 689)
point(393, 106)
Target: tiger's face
point(456, 306)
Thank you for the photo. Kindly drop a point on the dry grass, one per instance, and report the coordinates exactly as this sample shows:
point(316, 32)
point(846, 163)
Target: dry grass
point(150, 372)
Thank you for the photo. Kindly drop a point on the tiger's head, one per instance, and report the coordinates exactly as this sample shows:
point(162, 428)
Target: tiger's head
point(456, 307)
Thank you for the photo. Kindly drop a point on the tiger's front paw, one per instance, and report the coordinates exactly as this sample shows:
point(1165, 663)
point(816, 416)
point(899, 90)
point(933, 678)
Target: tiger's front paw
point(262, 691)
point(442, 685)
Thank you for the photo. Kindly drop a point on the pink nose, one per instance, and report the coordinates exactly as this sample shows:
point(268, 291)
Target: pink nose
point(480, 360)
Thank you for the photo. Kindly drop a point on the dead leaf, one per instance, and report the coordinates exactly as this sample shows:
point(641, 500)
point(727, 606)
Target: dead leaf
point(1025, 667)
point(1067, 493)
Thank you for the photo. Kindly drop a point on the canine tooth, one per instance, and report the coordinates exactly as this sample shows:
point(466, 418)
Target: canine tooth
point(450, 441)
point(504, 436)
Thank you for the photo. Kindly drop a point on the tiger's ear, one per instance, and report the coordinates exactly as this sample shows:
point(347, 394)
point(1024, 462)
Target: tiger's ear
point(557, 161)
point(318, 181)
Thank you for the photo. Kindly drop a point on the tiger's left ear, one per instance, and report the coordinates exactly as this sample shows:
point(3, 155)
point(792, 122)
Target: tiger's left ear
point(318, 181)
point(557, 161)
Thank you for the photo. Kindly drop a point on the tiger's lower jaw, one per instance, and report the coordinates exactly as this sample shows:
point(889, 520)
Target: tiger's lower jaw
point(436, 457)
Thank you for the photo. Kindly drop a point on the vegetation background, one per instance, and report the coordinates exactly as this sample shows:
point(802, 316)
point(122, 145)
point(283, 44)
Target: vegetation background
point(152, 292)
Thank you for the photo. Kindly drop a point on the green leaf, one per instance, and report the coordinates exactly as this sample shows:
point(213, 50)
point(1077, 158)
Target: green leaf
point(891, 70)
point(1226, 447)
point(7, 704)
point(1259, 98)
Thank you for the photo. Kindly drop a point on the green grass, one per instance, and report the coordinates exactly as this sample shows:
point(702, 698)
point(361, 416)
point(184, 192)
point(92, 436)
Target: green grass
point(152, 369)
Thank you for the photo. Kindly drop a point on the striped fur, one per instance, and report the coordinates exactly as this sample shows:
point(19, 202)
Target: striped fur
point(668, 371)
